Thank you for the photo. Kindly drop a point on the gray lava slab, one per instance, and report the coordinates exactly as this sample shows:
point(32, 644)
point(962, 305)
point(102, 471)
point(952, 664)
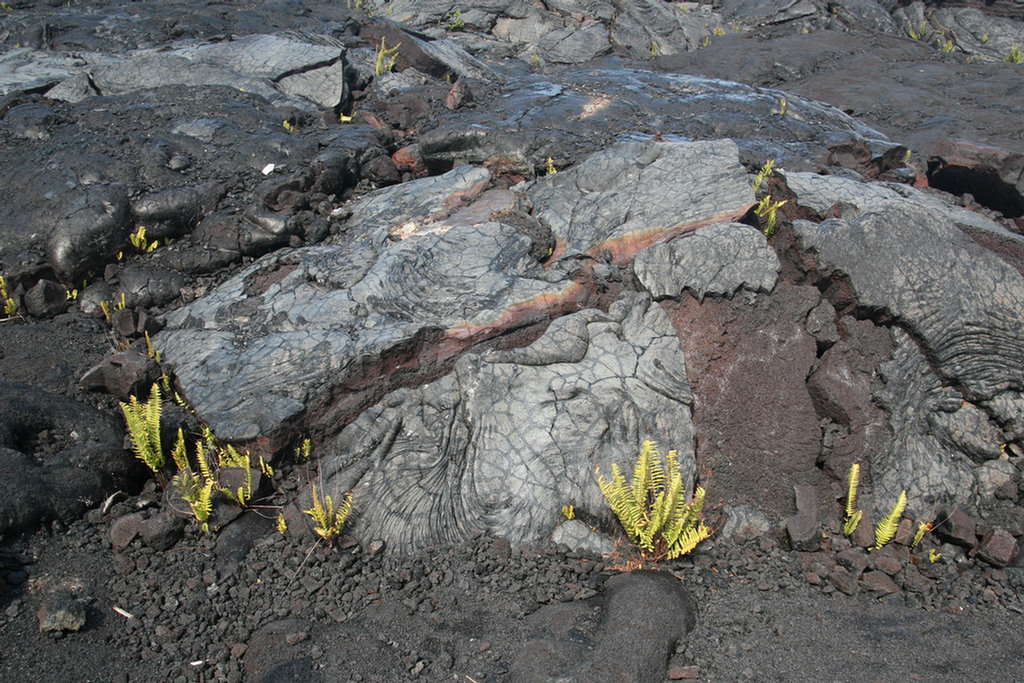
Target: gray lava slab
point(412, 284)
point(718, 260)
point(503, 442)
point(579, 111)
point(630, 195)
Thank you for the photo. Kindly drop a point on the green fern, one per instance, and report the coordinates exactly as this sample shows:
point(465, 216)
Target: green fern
point(328, 519)
point(887, 527)
point(197, 491)
point(652, 508)
point(228, 456)
point(762, 174)
point(143, 421)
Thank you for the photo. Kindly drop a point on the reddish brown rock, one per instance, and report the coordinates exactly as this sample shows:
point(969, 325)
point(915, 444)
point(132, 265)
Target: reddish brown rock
point(409, 159)
point(684, 673)
point(747, 362)
point(905, 532)
point(843, 580)
point(864, 535)
point(998, 548)
point(124, 530)
point(854, 561)
point(878, 582)
point(804, 528)
point(958, 528)
point(888, 563)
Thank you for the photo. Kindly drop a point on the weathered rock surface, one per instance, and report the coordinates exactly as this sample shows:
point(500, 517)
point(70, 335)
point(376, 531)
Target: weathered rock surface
point(467, 348)
point(58, 457)
point(243, 353)
point(717, 260)
point(644, 614)
point(953, 388)
point(509, 437)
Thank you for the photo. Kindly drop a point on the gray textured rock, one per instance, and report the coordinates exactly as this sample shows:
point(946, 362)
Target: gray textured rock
point(283, 70)
point(576, 535)
point(508, 437)
point(744, 522)
point(993, 474)
point(630, 195)
point(418, 268)
point(823, 193)
point(960, 306)
point(579, 111)
point(644, 615)
point(717, 260)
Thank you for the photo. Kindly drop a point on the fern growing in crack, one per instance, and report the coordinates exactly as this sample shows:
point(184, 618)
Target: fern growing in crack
point(653, 509)
point(329, 519)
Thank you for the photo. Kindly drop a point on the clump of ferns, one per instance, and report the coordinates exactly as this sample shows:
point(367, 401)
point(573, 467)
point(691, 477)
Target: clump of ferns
point(653, 509)
point(329, 519)
point(887, 527)
point(198, 485)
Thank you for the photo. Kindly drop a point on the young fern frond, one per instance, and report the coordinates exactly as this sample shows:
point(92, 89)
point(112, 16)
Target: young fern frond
point(853, 515)
point(887, 527)
point(198, 493)
point(143, 420)
point(852, 522)
point(688, 540)
point(851, 490)
point(763, 173)
point(180, 453)
point(922, 529)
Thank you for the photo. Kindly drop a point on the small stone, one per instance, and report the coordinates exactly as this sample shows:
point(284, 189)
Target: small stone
point(889, 565)
point(376, 547)
point(958, 528)
point(905, 532)
point(46, 299)
point(854, 561)
point(878, 582)
point(162, 531)
point(864, 535)
point(124, 530)
point(842, 579)
point(501, 548)
point(61, 612)
point(914, 580)
point(804, 528)
point(238, 650)
point(296, 638)
point(998, 548)
point(684, 673)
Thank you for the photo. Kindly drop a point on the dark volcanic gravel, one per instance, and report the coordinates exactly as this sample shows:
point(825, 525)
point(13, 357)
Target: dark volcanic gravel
point(249, 604)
